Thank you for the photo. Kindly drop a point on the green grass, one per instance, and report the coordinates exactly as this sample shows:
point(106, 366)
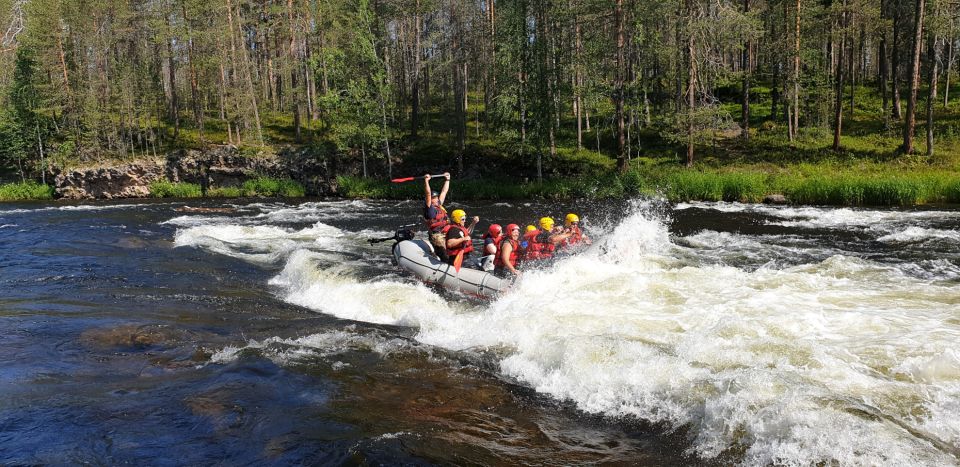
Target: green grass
point(25, 191)
point(260, 186)
point(266, 186)
point(873, 184)
point(166, 189)
point(226, 192)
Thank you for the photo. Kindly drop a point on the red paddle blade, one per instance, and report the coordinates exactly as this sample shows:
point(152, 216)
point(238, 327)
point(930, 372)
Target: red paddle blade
point(401, 180)
point(458, 261)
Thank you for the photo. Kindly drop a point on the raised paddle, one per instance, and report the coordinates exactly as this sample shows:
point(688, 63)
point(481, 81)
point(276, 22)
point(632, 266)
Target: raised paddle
point(408, 179)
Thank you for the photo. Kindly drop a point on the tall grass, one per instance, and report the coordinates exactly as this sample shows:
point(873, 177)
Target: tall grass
point(266, 186)
point(25, 191)
point(166, 189)
point(260, 186)
point(824, 183)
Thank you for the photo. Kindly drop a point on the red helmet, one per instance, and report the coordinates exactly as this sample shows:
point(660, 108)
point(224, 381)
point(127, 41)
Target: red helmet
point(495, 230)
point(511, 227)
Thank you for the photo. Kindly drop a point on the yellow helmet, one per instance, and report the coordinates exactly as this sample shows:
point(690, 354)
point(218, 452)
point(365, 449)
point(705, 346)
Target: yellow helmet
point(546, 223)
point(458, 215)
point(570, 219)
point(531, 228)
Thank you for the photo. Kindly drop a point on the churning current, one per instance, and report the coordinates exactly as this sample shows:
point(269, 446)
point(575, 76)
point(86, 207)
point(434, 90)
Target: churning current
point(754, 334)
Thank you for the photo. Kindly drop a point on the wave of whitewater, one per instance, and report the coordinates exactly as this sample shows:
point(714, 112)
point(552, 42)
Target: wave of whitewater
point(841, 360)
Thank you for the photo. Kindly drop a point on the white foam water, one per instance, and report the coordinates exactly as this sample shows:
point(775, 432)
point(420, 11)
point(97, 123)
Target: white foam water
point(81, 207)
point(919, 234)
point(839, 361)
point(824, 217)
point(326, 344)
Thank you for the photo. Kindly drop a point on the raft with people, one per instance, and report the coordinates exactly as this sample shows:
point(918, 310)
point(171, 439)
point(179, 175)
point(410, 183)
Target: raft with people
point(445, 259)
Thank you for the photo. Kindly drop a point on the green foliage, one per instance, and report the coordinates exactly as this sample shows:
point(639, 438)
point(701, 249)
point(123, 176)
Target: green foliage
point(29, 190)
point(686, 185)
point(166, 189)
point(266, 186)
point(226, 192)
point(572, 161)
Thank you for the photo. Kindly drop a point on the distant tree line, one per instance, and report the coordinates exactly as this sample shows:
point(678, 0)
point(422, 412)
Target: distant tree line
point(85, 79)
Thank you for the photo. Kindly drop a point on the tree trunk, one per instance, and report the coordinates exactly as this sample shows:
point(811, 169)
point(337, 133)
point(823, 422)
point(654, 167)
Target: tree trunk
point(895, 61)
point(796, 74)
point(948, 70)
point(933, 52)
point(246, 65)
point(194, 85)
point(621, 144)
point(745, 93)
point(294, 67)
point(63, 64)
point(174, 112)
point(838, 104)
point(415, 90)
point(910, 123)
point(884, 67)
point(691, 83)
point(578, 85)
point(852, 69)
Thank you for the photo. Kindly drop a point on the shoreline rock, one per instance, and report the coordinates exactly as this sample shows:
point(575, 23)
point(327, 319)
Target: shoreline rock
point(219, 166)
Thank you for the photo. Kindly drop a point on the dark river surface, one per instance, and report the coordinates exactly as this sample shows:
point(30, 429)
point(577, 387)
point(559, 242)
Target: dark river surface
point(272, 332)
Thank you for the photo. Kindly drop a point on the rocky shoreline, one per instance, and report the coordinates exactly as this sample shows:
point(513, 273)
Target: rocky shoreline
point(221, 166)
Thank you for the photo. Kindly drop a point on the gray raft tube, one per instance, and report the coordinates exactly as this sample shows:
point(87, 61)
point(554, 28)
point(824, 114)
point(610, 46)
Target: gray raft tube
point(417, 257)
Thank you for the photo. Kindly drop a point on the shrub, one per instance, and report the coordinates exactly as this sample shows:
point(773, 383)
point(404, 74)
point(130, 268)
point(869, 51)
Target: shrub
point(167, 189)
point(29, 190)
point(226, 192)
point(266, 186)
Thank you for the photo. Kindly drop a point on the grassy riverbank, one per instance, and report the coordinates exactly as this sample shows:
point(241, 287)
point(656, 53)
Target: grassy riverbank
point(23, 191)
point(865, 184)
point(260, 186)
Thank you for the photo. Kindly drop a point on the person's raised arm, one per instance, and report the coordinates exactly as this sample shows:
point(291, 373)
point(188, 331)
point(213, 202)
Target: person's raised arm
point(557, 238)
point(426, 187)
point(473, 223)
point(446, 187)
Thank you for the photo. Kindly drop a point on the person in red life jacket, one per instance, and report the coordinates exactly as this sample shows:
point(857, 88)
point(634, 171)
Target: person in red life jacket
point(529, 245)
point(491, 243)
point(548, 238)
point(509, 253)
point(571, 225)
point(458, 235)
point(435, 216)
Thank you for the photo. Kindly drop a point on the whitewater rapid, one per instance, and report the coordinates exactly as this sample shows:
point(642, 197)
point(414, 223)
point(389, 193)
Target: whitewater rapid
point(812, 354)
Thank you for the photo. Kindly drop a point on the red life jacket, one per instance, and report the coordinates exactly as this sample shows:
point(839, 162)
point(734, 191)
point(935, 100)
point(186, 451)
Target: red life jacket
point(495, 240)
point(439, 221)
point(467, 247)
point(514, 254)
point(533, 248)
point(546, 248)
point(576, 237)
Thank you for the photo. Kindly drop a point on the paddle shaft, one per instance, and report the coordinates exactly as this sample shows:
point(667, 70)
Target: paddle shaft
point(410, 179)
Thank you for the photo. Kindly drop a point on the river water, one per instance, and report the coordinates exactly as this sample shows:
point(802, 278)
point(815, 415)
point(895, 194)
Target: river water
point(704, 333)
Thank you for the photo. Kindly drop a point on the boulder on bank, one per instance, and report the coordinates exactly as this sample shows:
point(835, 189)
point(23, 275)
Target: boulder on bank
point(775, 199)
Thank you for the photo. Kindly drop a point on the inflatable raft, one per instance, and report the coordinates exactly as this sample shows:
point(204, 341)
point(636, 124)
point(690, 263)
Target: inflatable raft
point(417, 257)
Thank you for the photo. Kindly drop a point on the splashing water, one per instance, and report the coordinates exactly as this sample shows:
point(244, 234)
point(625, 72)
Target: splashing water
point(841, 359)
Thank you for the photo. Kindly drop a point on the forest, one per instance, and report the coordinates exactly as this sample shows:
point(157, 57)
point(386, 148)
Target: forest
point(538, 88)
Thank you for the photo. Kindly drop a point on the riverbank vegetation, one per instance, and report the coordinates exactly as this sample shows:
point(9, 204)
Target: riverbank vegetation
point(260, 186)
point(28, 190)
point(821, 184)
point(838, 101)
